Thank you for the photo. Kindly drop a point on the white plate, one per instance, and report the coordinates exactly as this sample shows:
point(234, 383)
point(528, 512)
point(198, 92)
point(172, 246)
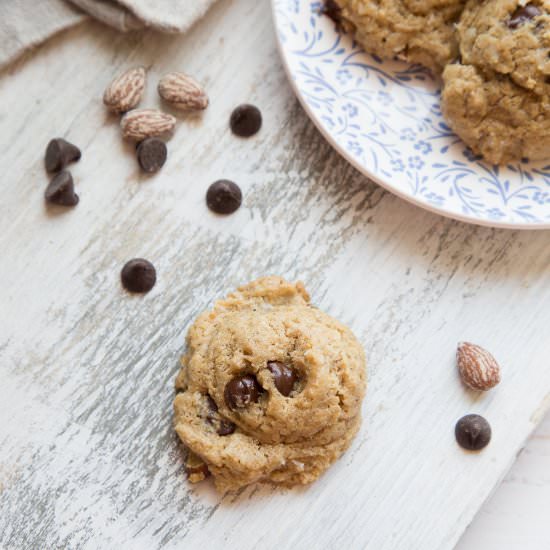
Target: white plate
point(384, 118)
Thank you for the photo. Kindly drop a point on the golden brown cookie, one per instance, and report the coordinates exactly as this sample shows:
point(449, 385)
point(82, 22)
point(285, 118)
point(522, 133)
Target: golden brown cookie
point(419, 31)
point(498, 119)
point(270, 388)
point(508, 37)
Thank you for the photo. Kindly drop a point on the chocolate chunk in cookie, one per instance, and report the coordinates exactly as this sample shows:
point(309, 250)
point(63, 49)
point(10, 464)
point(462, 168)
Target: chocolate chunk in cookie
point(241, 391)
point(283, 377)
point(522, 15)
point(221, 425)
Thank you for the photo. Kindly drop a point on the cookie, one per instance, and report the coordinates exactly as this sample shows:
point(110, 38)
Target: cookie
point(508, 38)
point(498, 119)
point(270, 389)
point(497, 99)
point(418, 31)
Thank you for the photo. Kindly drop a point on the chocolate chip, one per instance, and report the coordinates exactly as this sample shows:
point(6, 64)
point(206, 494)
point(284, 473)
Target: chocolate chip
point(283, 377)
point(138, 275)
point(332, 10)
point(224, 197)
point(222, 425)
point(241, 391)
point(61, 190)
point(473, 432)
point(151, 154)
point(522, 15)
point(225, 427)
point(245, 120)
point(212, 407)
point(59, 153)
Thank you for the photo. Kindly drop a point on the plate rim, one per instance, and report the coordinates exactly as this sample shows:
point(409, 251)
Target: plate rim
point(464, 218)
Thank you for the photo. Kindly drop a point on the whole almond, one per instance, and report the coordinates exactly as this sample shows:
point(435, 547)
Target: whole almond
point(143, 123)
point(125, 91)
point(478, 369)
point(182, 91)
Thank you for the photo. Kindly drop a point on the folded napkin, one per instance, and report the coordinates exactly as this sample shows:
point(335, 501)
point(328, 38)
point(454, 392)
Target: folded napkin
point(26, 23)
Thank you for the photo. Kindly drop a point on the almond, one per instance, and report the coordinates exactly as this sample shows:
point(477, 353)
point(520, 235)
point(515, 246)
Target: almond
point(125, 91)
point(182, 92)
point(143, 123)
point(478, 369)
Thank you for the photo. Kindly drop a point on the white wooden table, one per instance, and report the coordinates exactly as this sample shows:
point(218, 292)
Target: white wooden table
point(88, 457)
point(516, 516)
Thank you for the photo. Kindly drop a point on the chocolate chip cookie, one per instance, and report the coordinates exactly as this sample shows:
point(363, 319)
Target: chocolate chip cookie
point(419, 31)
point(270, 389)
point(497, 99)
point(497, 118)
point(508, 37)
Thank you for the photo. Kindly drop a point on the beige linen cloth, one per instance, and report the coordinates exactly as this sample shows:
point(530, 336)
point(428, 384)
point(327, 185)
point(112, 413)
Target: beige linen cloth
point(26, 23)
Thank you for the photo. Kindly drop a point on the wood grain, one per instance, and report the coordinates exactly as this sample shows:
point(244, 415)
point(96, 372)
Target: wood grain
point(87, 451)
point(516, 516)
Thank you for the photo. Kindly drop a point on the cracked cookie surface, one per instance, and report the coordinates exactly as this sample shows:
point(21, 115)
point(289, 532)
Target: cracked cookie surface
point(497, 99)
point(508, 37)
point(418, 31)
point(270, 388)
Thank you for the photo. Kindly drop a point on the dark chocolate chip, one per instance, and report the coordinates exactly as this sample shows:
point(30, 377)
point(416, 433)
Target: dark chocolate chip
point(225, 427)
point(224, 197)
point(61, 190)
point(212, 407)
point(522, 15)
point(332, 10)
point(59, 153)
point(241, 391)
point(151, 154)
point(283, 377)
point(138, 275)
point(473, 432)
point(222, 425)
point(246, 120)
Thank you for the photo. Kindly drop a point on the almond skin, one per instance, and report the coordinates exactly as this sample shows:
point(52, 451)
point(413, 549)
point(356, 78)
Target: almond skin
point(182, 92)
point(139, 124)
point(125, 91)
point(478, 369)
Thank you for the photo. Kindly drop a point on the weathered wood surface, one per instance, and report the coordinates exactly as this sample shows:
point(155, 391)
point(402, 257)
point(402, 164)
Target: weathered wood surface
point(88, 457)
point(516, 516)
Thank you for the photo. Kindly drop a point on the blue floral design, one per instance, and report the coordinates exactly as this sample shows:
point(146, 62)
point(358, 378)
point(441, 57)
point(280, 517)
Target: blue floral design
point(423, 146)
point(541, 197)
point(434, 198)
point(355, 147)
point(415, 163)
point(408, 134)
point(397, 165)
point(343, 76)
point(350, 109)
point(384, 98)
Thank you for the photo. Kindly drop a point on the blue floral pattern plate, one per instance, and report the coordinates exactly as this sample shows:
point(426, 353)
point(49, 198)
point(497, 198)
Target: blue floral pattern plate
point(384, 117)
